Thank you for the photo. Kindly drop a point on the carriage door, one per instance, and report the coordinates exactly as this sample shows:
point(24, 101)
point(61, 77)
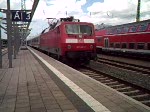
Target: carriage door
point(106, 42)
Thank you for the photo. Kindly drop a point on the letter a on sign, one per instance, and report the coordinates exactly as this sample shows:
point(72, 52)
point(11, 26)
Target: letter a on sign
point(16, 16)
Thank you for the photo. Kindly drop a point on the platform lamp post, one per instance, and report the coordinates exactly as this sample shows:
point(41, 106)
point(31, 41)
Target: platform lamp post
point(0, 41)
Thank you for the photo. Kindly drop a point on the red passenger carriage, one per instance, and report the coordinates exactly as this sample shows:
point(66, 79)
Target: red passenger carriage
point(131, 38)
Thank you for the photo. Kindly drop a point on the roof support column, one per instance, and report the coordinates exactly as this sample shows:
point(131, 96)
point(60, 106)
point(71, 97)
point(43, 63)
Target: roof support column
point(9, 37)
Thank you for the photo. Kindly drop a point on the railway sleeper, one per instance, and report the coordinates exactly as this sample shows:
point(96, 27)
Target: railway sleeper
point(125, 89)
point(147, 102)
point(87, 71)
point(148, 75)
point(141, 97)
point(90, 74)
point(112, 83)
point(117, 86)
point(97, 76)
point(93, 76)
point(133, 93)
point(105, 80)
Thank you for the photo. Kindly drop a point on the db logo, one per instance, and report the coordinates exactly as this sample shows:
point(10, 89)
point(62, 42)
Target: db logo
point(80, 41)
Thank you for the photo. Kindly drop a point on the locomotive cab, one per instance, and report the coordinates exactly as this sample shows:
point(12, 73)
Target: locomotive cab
point(79, 43)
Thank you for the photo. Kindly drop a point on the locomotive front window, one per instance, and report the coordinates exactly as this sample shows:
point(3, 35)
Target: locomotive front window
point(78, 29)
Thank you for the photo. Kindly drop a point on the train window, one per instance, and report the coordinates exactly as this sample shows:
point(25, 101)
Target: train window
point(72, 29)
point(142, 28)
point(140, 45)
point(131, 45)
point(118, 30)
point(148, 27)
point(85, 29)
point(110, 31)
point(114, 31)
point(148, 46)
point(112, 45)
point(117, 45)
point(124, 45)
point(132, 29)
point(125, 29)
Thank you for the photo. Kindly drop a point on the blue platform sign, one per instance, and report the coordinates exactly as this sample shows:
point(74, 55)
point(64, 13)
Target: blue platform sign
point(18, 15)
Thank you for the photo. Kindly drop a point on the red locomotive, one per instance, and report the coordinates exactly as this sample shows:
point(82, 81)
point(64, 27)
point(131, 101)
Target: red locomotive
point(68, 39)
point(132, 39)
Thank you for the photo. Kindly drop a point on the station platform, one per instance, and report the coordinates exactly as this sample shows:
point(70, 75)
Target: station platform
point(26, 87)
point(38, 83)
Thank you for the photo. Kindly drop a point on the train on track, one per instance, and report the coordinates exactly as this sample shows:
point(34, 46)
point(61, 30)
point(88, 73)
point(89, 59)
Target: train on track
point(132, 39)
point(67, 39)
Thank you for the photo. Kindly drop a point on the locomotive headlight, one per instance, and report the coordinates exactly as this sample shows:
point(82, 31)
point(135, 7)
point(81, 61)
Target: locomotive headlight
point(91, 46)
point(69, 46)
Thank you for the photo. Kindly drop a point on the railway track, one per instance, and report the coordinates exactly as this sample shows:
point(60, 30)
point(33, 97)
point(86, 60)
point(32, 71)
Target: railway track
point(132, 67)
point(133, 91)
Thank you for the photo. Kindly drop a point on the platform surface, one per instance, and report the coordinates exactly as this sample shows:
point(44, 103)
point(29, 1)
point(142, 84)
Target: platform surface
point(26, 87)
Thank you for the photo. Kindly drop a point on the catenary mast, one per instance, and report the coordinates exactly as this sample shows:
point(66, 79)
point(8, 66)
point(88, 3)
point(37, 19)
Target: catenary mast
point(138, 11)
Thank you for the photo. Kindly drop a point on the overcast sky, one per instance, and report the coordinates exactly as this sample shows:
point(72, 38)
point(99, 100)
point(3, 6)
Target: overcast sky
point(111, 12)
